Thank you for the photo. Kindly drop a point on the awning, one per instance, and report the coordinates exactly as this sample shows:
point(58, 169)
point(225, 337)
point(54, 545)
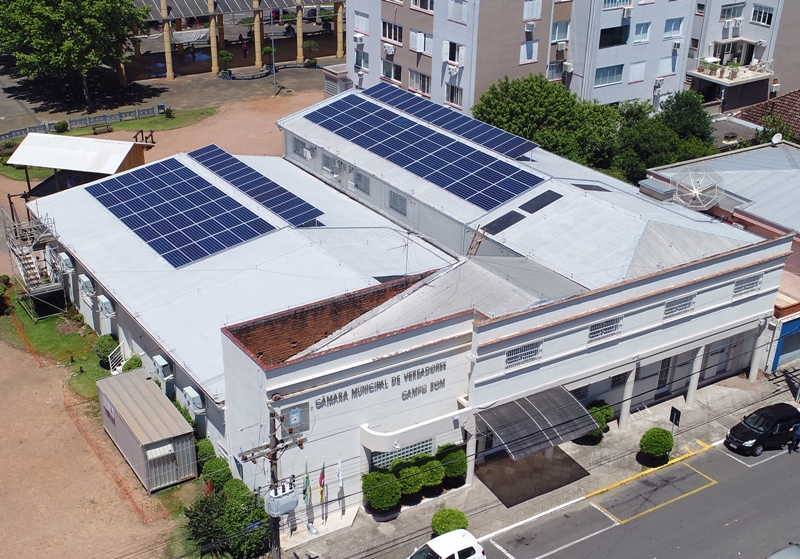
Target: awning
point(539, 421)
point(89, 155)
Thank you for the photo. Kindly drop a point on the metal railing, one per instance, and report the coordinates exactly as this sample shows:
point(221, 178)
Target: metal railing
point(83, 122)
point(747, 72)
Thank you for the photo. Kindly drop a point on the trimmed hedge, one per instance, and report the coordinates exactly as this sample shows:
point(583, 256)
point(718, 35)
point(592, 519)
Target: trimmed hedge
point(454, 463)
point(217, 471)
point(205, 452)
point(410, 480)
point(235, 488)
point(381, 490)
point(432, 473)
point(447, 520)
point(134, 362)
point(656, 442)
point(602, 413)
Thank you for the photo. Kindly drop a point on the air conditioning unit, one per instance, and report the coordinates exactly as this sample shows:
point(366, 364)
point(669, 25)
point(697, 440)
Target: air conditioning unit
point(775, 87)
point(65, 262)
point(452, 70)
point(193, 402)
point(627, 13)
point(726, 24)
point(330, 173)
point(358, 39)
point(105, 306)
point(738, 22)
point(761, 43)
point(676, 45)
point(307, 153)
point(561, 46)
point(659, 82)
point(85, 284)
point(351, 185)
point(568, 67)
point(388, 49)
point(530, 26)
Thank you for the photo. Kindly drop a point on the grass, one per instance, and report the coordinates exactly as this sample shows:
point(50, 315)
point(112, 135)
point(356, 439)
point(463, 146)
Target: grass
point(175, 500)
point(72, 350)
point(157, 123)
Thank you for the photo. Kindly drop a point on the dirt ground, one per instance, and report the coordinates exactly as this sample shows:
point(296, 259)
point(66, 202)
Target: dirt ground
point(66, 491)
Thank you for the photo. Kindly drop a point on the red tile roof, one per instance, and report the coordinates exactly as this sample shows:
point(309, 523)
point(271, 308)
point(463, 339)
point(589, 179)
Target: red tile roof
point(788, 106)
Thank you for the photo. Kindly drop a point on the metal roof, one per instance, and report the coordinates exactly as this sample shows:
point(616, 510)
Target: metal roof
point(146, 411)
point(91, 155)
point(194, 8)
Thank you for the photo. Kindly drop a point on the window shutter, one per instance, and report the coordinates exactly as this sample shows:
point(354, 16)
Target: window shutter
point(445, 50)
point(462, 56)
point(421, 42)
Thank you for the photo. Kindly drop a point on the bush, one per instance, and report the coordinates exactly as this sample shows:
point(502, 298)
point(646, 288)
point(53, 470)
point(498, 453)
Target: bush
point(134, 362)
point(447, 520)
point(410, 480)
point(602, 413)
point(104, 346)
point(203, 519)
point(454, 463)
point(61, 126)
point(245, 523)
point(288, 17)
point(656, 442)
point(400, 463)
point(311, 63)
point(205, 452)
point(432, 473)
point(217, 471)
point(235, 488)
point(184, 412)
point(5, 280)
point(169, 114)
point(381, 490)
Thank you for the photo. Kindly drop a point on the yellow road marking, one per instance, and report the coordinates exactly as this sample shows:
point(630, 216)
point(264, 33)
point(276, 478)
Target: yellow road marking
point(607, 513)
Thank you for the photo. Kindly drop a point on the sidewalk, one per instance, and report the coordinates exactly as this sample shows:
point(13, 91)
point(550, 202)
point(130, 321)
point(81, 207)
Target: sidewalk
point(718, 407)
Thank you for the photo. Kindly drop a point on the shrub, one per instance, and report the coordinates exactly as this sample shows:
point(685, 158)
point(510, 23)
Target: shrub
point(205, 451)
point(217, 471)
point(225, 56)
point(169, 114)
point(235, 488)
point(381, 490)
point(410, 480)
point(8, 144)
point(61, 126)
point(311, 63)
point(447, 520)
point(203, 519)
point(104, 346)
point(313, 46)
point(245, 522)
point(602, 413)
point(134, 362)
point(400, 463)
point(432, 473)
point(656, 442)
point(184, 412)
point(288, 17)
point(5, 280)
point(454, 463)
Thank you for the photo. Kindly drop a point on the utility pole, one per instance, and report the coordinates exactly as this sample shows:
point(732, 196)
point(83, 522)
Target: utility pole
point(273, 486)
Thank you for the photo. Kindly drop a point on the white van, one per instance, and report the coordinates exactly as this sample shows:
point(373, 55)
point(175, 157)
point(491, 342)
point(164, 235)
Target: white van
point(458, 544)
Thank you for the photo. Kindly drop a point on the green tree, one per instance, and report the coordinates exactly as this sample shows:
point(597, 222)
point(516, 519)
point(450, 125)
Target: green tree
point(773, 124)
point(226, 56)
point(203, 523)
point(271, 52)
point(643, 144)
point(683, 113)
point(68, 38)
point(634, 110)
point(602, 414)
point(244, 522)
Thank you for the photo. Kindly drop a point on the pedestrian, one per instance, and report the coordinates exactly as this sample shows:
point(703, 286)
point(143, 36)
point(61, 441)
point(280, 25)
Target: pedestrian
point(244, 49)
point(794, 444)
point(241, 39)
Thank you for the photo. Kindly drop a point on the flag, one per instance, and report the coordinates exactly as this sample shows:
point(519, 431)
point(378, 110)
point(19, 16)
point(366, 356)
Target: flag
point(322, 482)
point(306, 486)
point(339, 473)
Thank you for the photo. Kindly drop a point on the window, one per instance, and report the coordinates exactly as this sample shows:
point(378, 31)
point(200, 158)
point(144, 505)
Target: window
point(762, 14)
point(700, 9)
point(523, 354)
point(397, 202)
point(384, 459)
point(361, 182)
point(455, 52)
point(642, 33)
point(672, 28)
point(636, 72)
point(679, 307)
point(531, 9)
point(423, 4)
point(555, 70)
point(361, 22)
point(747, 285)
point(606, 329)
point(329, 167)
point(528, 52)
point(560, 31)
point(453, 95)
point(619, 380)
point(666, 66)
point(695, 44)
point(581, 393)
point(298, 147)
point(731, 10)
point(663, 373)
point(419, 82)
point(613, 36)
point(392, 71)
point(608, 75)
point(458, 10)
point(362, 59)
point(615, 3)
point(392, 32)
point(421, 42)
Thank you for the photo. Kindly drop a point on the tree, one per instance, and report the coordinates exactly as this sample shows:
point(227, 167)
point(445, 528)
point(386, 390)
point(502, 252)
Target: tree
point(203, 523)
point(271, 52)
point(643, 144)
point(773, 124)
point(683, 113)
point(68, 38)
point(225, 56)
point(245, 522)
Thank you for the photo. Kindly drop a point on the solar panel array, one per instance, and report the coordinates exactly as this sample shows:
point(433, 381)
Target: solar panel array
point(475, 176)
point(275, 198)
point(479, 132)
point(179, 214)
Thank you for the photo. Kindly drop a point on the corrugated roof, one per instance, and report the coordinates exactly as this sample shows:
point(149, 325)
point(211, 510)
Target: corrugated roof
point(147, 412)
point(786, 105)
point(91, 155)
point(193, 8)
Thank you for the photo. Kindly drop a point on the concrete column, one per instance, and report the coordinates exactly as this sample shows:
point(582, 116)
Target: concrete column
point(759, 351)
point(300, 57)
point(697, 365)
point(221, 31)
point(471, 450)
point(137, 46)
point(340, 29)
point(212, 38)
point(165, 27)
point(258, 34)
point(627, 395)
point(179, 27)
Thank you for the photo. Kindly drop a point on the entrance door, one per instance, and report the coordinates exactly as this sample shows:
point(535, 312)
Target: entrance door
point(717, 361)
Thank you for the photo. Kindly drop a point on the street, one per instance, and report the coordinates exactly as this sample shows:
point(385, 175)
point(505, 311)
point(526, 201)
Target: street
point(714, 505)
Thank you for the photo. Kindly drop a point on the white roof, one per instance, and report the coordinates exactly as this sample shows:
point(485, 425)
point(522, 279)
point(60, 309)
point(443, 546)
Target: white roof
point(184, 308)
point(91, 155)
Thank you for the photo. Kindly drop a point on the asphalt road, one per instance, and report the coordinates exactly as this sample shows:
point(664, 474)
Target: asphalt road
point(717, 505)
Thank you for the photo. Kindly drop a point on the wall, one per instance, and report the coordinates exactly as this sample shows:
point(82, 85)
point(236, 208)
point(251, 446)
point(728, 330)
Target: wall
point(122, 436)
point(787, 44)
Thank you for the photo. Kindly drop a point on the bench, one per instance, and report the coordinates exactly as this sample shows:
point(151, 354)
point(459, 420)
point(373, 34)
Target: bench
point(101, 128)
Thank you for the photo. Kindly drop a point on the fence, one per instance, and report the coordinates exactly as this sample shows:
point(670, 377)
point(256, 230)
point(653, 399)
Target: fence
point(83, 122)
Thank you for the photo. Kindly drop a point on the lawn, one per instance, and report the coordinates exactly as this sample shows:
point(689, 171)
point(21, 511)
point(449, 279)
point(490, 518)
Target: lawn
point(157, 123)
point(19, 174)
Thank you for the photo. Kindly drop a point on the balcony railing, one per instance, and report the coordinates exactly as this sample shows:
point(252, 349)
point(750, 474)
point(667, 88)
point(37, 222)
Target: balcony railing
point(730, 75)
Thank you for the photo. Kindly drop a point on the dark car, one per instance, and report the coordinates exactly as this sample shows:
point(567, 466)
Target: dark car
point(311, 15)
point(764, 428)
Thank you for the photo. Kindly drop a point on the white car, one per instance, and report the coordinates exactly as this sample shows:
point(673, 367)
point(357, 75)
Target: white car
point(458, 544)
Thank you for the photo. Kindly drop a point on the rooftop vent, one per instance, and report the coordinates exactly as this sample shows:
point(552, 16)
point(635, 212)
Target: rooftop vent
point(698, 187)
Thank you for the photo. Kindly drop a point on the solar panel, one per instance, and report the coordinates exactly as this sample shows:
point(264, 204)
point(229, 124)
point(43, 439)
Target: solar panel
point(175, 211)
point(266, 192)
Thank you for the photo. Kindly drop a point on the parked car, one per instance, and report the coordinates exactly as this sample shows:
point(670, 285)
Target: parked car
point(310, 15)
point(764, 428)
point(792, 551)
point(458, 544)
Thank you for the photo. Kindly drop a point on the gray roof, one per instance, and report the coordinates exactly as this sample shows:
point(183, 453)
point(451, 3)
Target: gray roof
point(147, 412)
point(194, 8)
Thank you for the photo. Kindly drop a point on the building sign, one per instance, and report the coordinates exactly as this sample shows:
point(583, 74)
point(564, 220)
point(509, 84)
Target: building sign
point(410, 384)
point(295, 417)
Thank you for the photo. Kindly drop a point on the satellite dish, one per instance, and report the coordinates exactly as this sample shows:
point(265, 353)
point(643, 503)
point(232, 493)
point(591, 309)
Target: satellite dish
point(697, 187)
point(776, 139)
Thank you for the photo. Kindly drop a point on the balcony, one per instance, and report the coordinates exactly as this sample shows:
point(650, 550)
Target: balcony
point(707, 69)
